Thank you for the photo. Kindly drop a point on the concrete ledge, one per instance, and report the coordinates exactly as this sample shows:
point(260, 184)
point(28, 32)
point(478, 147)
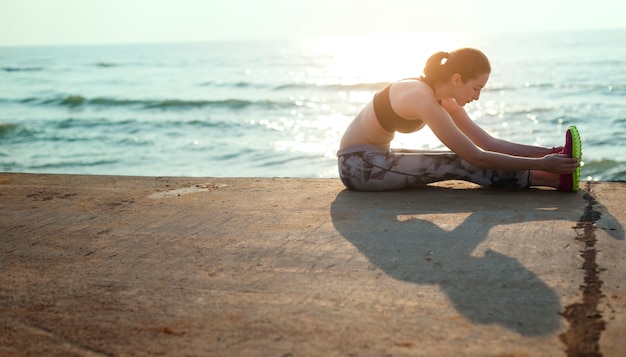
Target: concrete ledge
point(116, 266)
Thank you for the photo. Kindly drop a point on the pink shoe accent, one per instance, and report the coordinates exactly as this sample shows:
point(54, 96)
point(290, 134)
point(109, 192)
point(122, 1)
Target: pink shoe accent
point(566, 182)
point(567, 148)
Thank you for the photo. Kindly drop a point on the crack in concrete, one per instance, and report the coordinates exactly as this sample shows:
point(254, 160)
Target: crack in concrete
point(585, 320)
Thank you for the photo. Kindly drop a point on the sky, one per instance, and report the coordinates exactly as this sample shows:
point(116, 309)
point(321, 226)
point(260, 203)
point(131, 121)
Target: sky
point(71, 22)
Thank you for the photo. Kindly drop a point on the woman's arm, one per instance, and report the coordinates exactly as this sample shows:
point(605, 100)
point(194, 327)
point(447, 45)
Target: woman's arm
point(416, 100)
point(487, 142)
point(461, 141)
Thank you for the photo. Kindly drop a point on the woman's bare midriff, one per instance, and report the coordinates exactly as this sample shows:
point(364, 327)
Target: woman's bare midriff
point(365, 129)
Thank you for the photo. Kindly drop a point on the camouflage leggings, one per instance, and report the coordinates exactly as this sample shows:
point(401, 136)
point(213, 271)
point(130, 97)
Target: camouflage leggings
point(370, 168)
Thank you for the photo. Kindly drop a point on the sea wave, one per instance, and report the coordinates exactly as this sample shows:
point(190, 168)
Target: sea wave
point(22, 69)
point(106, 64)
point(77, 101)
point(127, 131)
point(7, 128)
point(367, 86)
point(72, 163)
point(17, 132)
point(238, 85)
point(132, 126)
point(374, 86)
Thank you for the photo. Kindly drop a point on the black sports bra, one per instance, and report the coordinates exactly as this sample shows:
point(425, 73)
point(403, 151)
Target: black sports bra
point(389, 119)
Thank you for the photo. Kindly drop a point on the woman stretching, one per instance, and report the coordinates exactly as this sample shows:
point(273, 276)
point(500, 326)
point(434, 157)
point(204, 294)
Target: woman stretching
point(436, 99)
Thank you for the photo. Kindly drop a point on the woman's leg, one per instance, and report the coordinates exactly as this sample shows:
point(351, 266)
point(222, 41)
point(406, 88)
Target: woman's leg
point(398, 169)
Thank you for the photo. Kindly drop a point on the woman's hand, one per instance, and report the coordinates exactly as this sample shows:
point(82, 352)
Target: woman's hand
point(556, 150)
point(559, 164)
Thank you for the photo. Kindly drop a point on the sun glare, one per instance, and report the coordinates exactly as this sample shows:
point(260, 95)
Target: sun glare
point(382, 57)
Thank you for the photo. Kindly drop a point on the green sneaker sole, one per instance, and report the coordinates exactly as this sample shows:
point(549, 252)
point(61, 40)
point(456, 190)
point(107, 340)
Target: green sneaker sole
point(577, 152)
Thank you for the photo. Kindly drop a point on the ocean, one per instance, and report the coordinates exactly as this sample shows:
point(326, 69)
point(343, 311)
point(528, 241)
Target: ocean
point(279, 108)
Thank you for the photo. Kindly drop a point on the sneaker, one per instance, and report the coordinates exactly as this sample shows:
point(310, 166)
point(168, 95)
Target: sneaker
point(572, 148)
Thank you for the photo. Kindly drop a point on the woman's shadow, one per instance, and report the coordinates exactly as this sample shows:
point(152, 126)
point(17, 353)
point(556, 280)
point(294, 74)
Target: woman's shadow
point(395, 231)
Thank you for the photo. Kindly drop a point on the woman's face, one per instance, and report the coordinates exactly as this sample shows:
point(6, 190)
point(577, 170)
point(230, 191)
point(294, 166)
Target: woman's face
point(470, 90)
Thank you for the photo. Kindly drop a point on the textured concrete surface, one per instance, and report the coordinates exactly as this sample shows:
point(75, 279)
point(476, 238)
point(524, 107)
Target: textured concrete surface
point(133, 266)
